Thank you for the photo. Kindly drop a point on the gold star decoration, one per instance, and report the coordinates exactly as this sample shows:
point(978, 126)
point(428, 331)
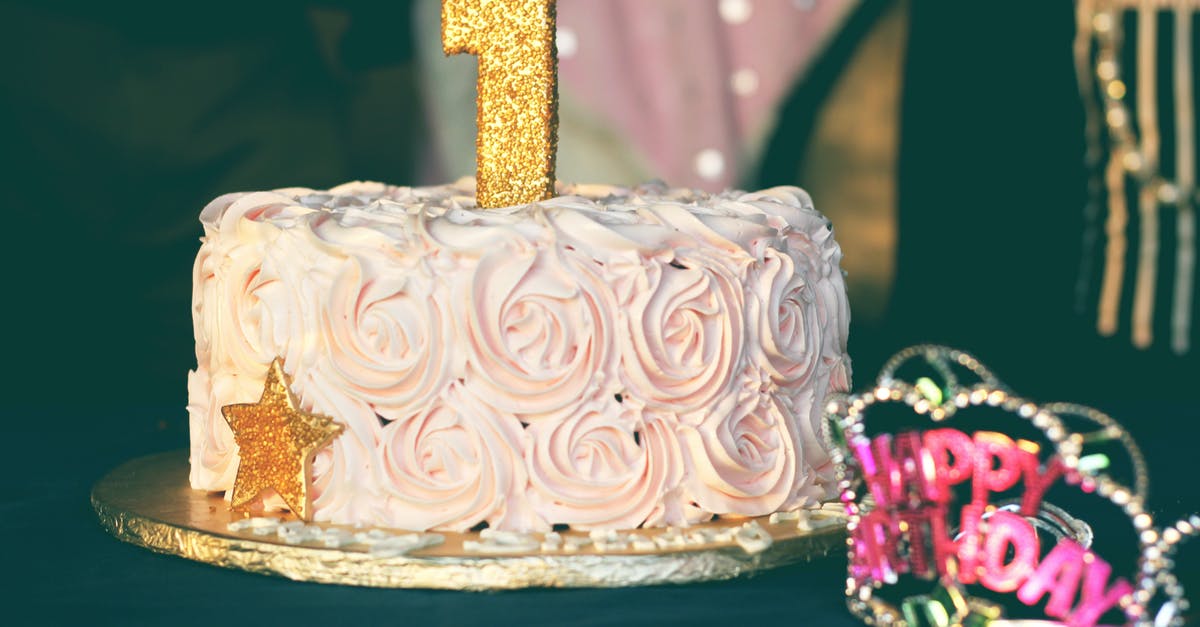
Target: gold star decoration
point(276, 443)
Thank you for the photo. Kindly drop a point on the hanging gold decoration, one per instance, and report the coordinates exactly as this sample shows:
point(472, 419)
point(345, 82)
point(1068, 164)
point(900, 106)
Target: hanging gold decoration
point(1125, 154)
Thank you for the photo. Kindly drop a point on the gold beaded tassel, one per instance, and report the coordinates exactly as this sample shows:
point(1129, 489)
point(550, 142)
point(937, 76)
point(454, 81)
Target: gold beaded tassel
point(1147, 115)
point(1134, 159)
point(1185, 165)
point(517, 94)
point(1108, 32)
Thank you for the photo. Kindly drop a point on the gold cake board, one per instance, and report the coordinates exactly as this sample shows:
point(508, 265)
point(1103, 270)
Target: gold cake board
point(147, 502)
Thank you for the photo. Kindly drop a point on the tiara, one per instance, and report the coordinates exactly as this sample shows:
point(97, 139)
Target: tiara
point(970, 505)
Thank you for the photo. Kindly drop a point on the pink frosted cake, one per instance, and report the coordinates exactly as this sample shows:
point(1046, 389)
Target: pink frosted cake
point(607, 359)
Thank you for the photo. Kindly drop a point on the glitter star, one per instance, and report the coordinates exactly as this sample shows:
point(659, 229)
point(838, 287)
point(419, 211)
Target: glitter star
point(276, 442)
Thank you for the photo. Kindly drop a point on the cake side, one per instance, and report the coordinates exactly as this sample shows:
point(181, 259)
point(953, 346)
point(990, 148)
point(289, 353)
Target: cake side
point(606, 359)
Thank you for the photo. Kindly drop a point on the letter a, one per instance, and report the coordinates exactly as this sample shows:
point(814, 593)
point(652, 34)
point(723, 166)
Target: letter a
point(1059, 573)
point(1096, 600)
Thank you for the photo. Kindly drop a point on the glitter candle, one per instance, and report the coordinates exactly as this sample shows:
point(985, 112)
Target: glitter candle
point(517, 100)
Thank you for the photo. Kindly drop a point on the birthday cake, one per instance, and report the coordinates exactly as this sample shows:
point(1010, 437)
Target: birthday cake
point(609, 358)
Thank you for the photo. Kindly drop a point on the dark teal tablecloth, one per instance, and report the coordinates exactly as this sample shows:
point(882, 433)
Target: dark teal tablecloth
point(60, 567)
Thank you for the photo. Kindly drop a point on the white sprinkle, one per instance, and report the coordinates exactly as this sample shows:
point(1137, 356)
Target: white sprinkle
point(551, 541)
point(779, 517)
point(300, 534)
point(260, 526)
point(495, 541)
point(669, 539)
point(725, 535)
point(371, 537)
point(399, 545)
point(602, 535)
point(291, 526)
point(753, 538)
point(643, 544)
point(337, 538)
point(574, 543)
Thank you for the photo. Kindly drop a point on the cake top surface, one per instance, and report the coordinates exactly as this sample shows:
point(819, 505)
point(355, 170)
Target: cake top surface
point(648, 217)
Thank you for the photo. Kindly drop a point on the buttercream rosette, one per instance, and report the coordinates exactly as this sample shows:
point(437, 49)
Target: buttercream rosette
point(610, 466)
point(453, 465)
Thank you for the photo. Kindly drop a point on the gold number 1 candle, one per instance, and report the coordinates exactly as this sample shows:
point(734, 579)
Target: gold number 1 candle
point(517, 94)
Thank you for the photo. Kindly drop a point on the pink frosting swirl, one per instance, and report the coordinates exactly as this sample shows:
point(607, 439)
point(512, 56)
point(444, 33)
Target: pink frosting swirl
point(250, 333)
point(805, 411)
point(840, 374)
point(685, 331)
point(809, 241)
point(385, 325)
point(741, 458)
point(342, 486)
point(607, 467)
point(538, 330)
point(249, 304)
point(784, 319)
point(454, 465)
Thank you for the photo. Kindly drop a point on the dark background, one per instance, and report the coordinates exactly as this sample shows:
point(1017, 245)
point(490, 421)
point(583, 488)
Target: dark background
point(118, 123)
